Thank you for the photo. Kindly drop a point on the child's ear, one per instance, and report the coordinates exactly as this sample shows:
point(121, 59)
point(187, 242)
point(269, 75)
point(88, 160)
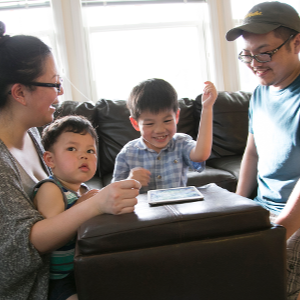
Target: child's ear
point(134, 123)
point(48, 158)
point(177, 115)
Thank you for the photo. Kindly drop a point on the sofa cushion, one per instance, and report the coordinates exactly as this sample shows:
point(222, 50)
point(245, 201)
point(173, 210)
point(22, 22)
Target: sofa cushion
point(114, 131)
point(187, 120)
point(86, 109)
point(230, 123)
point(222, 178)
point(230, 164)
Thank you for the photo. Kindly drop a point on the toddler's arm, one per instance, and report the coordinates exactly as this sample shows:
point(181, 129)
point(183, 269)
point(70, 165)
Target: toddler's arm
point(87, 195)
point(49, 200)
point(202, 150)
point(53, 232)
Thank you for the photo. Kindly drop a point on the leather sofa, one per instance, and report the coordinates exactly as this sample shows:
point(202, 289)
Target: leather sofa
point(230, 129)
point(223, 247)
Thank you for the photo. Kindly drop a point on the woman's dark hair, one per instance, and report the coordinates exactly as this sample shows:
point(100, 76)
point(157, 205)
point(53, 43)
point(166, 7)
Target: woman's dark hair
point(22, 60)
point(70, 123)
point(152, 95)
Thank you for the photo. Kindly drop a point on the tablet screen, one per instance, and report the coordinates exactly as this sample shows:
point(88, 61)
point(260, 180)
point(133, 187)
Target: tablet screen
point(172, 195)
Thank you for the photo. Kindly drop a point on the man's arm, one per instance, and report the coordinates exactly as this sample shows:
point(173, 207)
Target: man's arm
point(289, 216)
point(248, 172)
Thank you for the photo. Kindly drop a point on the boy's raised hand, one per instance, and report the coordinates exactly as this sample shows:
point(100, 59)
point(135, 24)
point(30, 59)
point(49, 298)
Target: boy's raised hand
point(140, 174)
point(209, 94)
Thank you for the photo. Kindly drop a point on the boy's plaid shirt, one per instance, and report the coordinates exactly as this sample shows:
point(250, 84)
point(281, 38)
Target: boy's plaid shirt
point(168, 168)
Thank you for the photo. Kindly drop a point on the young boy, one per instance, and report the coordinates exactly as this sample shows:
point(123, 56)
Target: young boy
point(71, 153)
point(160, 158)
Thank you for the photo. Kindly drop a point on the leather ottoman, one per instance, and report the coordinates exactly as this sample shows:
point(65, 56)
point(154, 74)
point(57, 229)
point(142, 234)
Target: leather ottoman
point(222, 247)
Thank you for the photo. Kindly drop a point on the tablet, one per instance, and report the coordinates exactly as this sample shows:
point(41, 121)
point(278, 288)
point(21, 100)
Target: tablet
point(174, 195)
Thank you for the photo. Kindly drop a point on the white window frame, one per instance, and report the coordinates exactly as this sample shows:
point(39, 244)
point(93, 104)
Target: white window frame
point(222, 62)
point(73, 58)
point(195, 24)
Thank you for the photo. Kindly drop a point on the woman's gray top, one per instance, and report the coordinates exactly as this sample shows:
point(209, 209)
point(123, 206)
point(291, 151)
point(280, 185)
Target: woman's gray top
point(24, 273)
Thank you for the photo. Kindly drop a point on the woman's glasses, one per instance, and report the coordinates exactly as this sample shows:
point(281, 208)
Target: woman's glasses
point(58, 85)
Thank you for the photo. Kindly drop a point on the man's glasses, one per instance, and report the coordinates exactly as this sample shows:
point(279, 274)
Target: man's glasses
point(261, 57)
point(58, 86)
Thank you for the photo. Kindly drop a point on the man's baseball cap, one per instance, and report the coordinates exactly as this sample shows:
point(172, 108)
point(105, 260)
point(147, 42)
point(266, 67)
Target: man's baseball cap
point(266, 17)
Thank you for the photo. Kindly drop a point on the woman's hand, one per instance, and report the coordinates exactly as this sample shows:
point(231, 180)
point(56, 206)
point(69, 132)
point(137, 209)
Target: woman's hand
point(118, 197)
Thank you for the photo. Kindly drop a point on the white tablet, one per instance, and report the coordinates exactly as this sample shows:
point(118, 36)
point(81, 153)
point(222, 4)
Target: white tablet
point(173, 195)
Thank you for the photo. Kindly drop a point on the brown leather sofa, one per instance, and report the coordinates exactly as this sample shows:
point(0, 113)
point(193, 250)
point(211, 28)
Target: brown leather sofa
point(223, 247)
point(230, 129)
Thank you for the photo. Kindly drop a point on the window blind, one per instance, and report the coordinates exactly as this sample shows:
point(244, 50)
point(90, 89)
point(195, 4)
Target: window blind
point(124, 2)
point(24, 4)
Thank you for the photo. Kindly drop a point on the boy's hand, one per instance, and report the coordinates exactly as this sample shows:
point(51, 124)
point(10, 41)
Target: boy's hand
point(209, 94)
point(140, 174)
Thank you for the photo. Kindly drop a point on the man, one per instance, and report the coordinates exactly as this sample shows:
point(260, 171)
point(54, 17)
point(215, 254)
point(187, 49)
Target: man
point(272, 44)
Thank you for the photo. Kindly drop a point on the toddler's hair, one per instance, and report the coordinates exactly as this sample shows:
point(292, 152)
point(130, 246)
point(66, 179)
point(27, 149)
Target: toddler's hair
point(72, 123)
point(152, 95)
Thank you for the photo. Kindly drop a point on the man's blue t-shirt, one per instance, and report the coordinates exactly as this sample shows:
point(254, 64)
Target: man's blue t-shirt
point(274, 122)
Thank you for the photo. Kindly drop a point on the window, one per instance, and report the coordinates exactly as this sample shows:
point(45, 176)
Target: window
point(104, 50)
point(30, 17)
point(131, 43)
point(16, 16)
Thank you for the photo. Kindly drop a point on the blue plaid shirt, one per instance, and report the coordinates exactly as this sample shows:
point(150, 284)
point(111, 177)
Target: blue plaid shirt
point(168, 167)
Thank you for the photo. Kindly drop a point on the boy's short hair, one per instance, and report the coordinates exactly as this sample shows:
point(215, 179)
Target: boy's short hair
point(152, 95)
point(73, 123)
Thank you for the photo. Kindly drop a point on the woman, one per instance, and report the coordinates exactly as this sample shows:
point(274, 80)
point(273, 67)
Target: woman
point(29, 86)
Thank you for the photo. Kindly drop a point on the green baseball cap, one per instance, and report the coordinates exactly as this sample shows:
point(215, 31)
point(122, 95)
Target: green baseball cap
point(265, 17)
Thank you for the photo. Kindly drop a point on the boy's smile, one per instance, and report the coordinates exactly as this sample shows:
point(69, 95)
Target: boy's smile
point(157, 129)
